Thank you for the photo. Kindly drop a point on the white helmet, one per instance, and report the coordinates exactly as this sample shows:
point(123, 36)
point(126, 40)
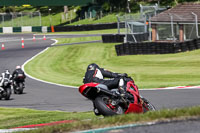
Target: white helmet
point(18, 67)
point(7, 71)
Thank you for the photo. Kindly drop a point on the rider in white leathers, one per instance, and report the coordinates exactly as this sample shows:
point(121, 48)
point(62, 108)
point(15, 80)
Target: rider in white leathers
point(4, 75)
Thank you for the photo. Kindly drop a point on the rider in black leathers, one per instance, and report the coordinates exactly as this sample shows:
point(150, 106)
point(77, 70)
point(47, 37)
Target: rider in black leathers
point(17, 71)
point(96, 74)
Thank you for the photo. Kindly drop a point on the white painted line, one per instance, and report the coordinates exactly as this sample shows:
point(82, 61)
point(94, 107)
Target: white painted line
point(175, 88)
point(15, 130)
point(40, 79)
point(107, 129)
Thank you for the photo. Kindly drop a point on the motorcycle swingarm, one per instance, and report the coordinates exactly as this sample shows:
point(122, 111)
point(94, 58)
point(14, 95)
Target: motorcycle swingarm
point(108, 92)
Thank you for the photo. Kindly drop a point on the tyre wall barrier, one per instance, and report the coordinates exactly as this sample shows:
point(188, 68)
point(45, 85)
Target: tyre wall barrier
point(112, 38)
point(156, 47)
point(87, 27)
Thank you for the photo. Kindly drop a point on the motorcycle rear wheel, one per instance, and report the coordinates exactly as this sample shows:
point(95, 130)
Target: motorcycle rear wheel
point(105, 108)
point(20, 88)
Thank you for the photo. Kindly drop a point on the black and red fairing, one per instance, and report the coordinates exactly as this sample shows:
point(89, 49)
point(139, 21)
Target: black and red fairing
point(136, 106)
point(89, 90)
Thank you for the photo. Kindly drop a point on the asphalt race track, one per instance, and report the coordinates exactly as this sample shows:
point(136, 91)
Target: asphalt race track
point(37, 95)
point(44, 96)
point(189, 126)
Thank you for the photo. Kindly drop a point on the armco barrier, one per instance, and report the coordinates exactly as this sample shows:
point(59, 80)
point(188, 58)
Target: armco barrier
point(156, 47)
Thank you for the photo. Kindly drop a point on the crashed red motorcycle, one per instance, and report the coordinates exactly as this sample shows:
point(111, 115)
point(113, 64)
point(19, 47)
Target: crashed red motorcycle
point(109, 102)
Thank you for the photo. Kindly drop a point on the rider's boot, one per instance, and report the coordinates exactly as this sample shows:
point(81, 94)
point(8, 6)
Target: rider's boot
point(23, 85)
point(121, 88)
point(96, 111)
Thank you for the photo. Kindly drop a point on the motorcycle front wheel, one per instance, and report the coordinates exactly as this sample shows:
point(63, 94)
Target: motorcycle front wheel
point(8, 93)
point(104, 106)
point(147, 106)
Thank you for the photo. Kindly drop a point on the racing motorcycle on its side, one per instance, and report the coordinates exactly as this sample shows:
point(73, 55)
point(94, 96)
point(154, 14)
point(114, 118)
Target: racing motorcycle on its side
point(5, 90)
point(109, 102)
point(18, 84)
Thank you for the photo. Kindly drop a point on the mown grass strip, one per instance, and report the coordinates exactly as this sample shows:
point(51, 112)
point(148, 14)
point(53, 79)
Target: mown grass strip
point(122, 120)
point(80, 39)
point(11, 117)
point(67, 65)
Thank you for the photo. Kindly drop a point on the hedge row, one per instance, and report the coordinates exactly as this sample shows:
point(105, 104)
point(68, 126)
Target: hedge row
point(87, 27)
point(156, 47)
point(113, 38)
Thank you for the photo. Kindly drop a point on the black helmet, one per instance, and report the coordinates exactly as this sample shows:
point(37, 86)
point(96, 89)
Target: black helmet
point(92, 66)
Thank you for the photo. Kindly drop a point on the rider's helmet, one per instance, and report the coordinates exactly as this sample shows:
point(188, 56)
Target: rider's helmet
point(92, 66)
point(18, 67)
point(7, 71)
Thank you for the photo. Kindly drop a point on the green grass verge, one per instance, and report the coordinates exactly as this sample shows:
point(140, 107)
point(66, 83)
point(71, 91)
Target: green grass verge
point(10, 117)
point(110, 18)
point(47, 19)
point(67, 65)
point(122, 120)
point(80, 39)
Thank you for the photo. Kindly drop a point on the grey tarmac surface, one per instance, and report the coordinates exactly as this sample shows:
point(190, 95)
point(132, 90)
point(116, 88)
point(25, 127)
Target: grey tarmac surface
point(37, 95)
point(43, 96)
point(189, 126)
